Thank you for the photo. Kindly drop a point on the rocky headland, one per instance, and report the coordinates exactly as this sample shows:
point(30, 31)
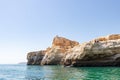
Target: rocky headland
point(102, 51)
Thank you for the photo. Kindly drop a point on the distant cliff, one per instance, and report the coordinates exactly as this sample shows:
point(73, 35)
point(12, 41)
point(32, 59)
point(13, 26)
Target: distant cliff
point(102, 51)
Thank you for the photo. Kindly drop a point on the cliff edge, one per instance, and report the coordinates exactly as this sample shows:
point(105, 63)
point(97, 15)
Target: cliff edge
point(102, 51)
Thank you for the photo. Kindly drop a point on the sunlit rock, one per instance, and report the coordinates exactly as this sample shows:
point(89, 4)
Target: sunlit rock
point(102, 51)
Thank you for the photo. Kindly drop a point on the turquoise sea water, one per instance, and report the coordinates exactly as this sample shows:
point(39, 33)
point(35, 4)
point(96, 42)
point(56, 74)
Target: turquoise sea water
point(23, 72)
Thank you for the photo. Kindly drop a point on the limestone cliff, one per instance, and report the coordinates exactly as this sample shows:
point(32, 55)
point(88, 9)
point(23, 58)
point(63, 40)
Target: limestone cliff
point(102, 51)
point(60, 45)
point(52, 55)
point(34, 58)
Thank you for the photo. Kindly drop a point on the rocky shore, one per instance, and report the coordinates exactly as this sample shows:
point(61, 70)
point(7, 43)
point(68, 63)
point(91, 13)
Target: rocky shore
point(102, 51)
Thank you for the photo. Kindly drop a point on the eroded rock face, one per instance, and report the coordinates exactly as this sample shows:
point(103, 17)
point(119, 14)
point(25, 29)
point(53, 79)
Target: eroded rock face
point(59, 46)
point(34, 58)
point(63, 43)
point(102, 51)
point(53, 57)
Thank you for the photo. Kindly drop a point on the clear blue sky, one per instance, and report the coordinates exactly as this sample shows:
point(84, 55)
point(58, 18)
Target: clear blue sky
point(28, 25)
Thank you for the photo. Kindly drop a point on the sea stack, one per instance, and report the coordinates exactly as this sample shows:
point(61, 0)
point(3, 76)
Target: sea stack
point(102, 51)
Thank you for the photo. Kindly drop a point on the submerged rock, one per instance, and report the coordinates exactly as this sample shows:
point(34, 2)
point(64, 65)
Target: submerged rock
point(102, 51)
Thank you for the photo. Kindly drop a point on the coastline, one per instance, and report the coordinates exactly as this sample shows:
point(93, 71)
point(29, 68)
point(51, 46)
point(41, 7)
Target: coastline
point(102, 51)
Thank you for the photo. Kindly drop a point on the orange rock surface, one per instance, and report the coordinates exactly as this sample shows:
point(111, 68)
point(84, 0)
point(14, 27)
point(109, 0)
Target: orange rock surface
point(63, 43)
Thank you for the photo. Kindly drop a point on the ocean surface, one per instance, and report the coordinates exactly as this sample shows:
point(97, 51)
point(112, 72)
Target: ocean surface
point(24, 72)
